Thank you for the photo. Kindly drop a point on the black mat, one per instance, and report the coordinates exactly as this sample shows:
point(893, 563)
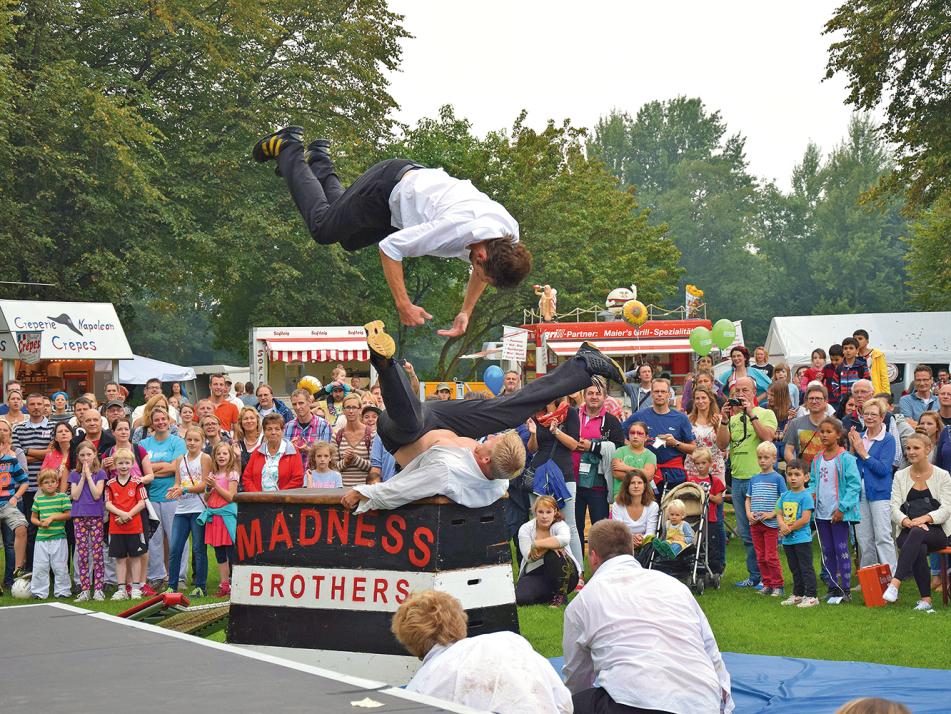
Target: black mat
point(58, 660)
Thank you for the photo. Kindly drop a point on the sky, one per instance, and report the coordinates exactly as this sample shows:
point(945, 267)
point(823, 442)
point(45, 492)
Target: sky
point(761, 64)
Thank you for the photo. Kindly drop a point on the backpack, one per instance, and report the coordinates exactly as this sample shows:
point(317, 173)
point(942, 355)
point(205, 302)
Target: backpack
point(367, 438)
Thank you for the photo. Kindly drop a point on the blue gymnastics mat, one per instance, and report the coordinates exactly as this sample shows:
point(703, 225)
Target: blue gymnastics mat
point(787, 685)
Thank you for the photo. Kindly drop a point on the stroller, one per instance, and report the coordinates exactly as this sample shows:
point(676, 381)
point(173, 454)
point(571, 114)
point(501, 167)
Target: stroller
point(692, 564)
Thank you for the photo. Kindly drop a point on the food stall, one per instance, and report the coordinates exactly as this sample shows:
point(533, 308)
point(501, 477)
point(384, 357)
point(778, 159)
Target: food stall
point(280, 356)
point(50, 346)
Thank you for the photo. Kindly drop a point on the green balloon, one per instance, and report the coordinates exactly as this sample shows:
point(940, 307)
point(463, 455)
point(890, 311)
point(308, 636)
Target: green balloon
point(724, 332)
point(701, 339)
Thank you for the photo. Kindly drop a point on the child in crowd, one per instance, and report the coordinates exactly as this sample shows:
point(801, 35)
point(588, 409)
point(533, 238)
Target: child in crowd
point(220, 517)
point(764, 490)
point(190, 473)
point(319, 473)
point(50, 513)
point(677, 532)
point(86, 486)
point(794, 510)
point(703, 462)
point(125, 500)
point(633, 455)
point(836, 484)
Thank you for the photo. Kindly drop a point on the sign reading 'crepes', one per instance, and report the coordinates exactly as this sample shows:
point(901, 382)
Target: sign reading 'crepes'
point(29, 345)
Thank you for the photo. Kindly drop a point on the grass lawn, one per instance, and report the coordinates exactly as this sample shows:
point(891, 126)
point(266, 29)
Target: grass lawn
point(745, 622)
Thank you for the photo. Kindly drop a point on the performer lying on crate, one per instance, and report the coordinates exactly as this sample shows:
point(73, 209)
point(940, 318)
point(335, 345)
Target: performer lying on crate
point(435, 442)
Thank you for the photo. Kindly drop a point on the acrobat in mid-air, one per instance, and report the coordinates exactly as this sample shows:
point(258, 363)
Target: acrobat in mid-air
point(409, 210)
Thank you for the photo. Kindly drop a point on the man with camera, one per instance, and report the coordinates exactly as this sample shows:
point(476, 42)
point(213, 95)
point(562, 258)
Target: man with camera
point(744, 426)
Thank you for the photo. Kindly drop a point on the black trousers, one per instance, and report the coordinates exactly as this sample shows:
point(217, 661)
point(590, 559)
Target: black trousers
point(914, 544)
point(799, 559)
point(356, 217)
point(593, 501)
point(555, 576)
point(516, 507)
point(406, 419)
point(598, 701)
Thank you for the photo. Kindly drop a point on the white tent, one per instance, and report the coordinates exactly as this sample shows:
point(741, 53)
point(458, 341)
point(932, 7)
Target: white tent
point(904, 337)
point(140, 369)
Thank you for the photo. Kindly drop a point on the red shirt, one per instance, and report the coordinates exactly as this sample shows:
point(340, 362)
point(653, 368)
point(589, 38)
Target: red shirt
point(716, 488)
point(124, 497)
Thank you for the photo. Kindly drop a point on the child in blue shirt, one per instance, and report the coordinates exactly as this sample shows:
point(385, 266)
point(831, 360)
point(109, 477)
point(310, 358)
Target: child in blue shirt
point(794, 509)
point(763, 492)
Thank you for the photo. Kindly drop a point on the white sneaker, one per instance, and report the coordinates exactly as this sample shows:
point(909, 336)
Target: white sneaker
point(792, 600)
point(808, 602)
point(136, 594)
point(99, 596)
point(120, 594)
point(83, 597)
point(923, 606)
point(890, 594)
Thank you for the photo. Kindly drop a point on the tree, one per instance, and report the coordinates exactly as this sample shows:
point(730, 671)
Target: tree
point(897, 53)
point(929, 261)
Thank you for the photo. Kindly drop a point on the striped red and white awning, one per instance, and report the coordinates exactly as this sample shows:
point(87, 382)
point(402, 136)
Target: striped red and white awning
point(335, 350)
point(566, 348)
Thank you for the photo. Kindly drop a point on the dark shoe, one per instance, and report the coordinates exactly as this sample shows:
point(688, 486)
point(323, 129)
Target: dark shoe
point(22, 573)
point(599, 363)
point(378, 340)
point(316, 148)
point(270, 146)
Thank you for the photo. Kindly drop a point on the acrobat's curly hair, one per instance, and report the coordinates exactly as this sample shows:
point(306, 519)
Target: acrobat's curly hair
point(429, 618)
point(506, 264)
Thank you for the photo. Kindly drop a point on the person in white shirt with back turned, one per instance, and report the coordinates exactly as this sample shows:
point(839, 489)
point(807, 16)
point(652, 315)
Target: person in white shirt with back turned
point(635, 640)
point(407, 209)
point(435, 442)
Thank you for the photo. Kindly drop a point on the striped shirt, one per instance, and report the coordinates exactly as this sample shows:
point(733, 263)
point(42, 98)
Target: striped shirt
point(28, 435)
point(45, 506)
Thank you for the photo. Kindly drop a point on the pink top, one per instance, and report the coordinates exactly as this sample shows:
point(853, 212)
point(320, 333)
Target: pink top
point(215, 499)
point(590, 429)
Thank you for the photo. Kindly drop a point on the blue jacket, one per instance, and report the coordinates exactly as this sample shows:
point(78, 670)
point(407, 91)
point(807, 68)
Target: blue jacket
point(876, 470)
point(282, 409)
point(228, 514)
point(848, 487)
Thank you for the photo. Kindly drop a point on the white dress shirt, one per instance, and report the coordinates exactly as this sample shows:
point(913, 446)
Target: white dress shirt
point(442, 216)
point(498, 672)
point(526, 539)
point(645, 638)
point(449, 471)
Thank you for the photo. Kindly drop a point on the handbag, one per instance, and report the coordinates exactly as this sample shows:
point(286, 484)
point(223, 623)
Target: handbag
point(550, 481)
point(920, 507)
point(527, 480)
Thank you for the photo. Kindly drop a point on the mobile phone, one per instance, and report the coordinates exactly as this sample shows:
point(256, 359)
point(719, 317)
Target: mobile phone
point(734, 402)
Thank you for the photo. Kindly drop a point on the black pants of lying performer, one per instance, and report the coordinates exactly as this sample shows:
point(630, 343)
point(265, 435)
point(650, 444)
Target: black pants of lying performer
point(556, 575)
point(356, 217)
point(914, 544)
point(598, 701)
point(406, 419)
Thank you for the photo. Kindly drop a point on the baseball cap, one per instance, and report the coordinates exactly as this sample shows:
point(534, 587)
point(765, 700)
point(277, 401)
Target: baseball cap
point(115, 403)
point(443, 386)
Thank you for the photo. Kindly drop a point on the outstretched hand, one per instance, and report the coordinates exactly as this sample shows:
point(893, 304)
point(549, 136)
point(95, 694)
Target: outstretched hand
point(458, 328)
point(413, 315)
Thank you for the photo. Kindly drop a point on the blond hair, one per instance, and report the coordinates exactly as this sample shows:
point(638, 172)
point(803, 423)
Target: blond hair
point(124, 454)
point(702, 453)
point(47, 475)
point(151, 405)
point(676, 505)
point(238, 429)
point(508, 456)
point(878, 403)
point(767, 448)
point(872, 705)
point(429, 618)
point(317, 446)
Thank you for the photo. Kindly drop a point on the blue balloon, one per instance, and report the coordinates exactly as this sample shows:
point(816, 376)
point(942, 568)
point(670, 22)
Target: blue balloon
point(493, 377)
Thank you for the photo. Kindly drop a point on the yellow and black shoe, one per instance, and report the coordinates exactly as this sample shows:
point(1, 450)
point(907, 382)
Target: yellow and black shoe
point(270, 146)
point(378, 340)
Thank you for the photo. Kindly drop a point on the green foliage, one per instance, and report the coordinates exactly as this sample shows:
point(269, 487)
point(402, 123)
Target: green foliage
point(896, 53)
point(929, 261)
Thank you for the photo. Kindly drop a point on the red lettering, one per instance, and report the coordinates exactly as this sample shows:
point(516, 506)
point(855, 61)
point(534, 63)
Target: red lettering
point(314, 515)
point(363, 528)
point(280, 533)
point(338, 520)
point(359, 587)
point(421, 557)
point(249, 545)
point(379, 589)
point(393, 542)
point(257, 584)
point(297, 586)
point(277, 584)
point(336, 589)
point(318, 579)
point(402, 590)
